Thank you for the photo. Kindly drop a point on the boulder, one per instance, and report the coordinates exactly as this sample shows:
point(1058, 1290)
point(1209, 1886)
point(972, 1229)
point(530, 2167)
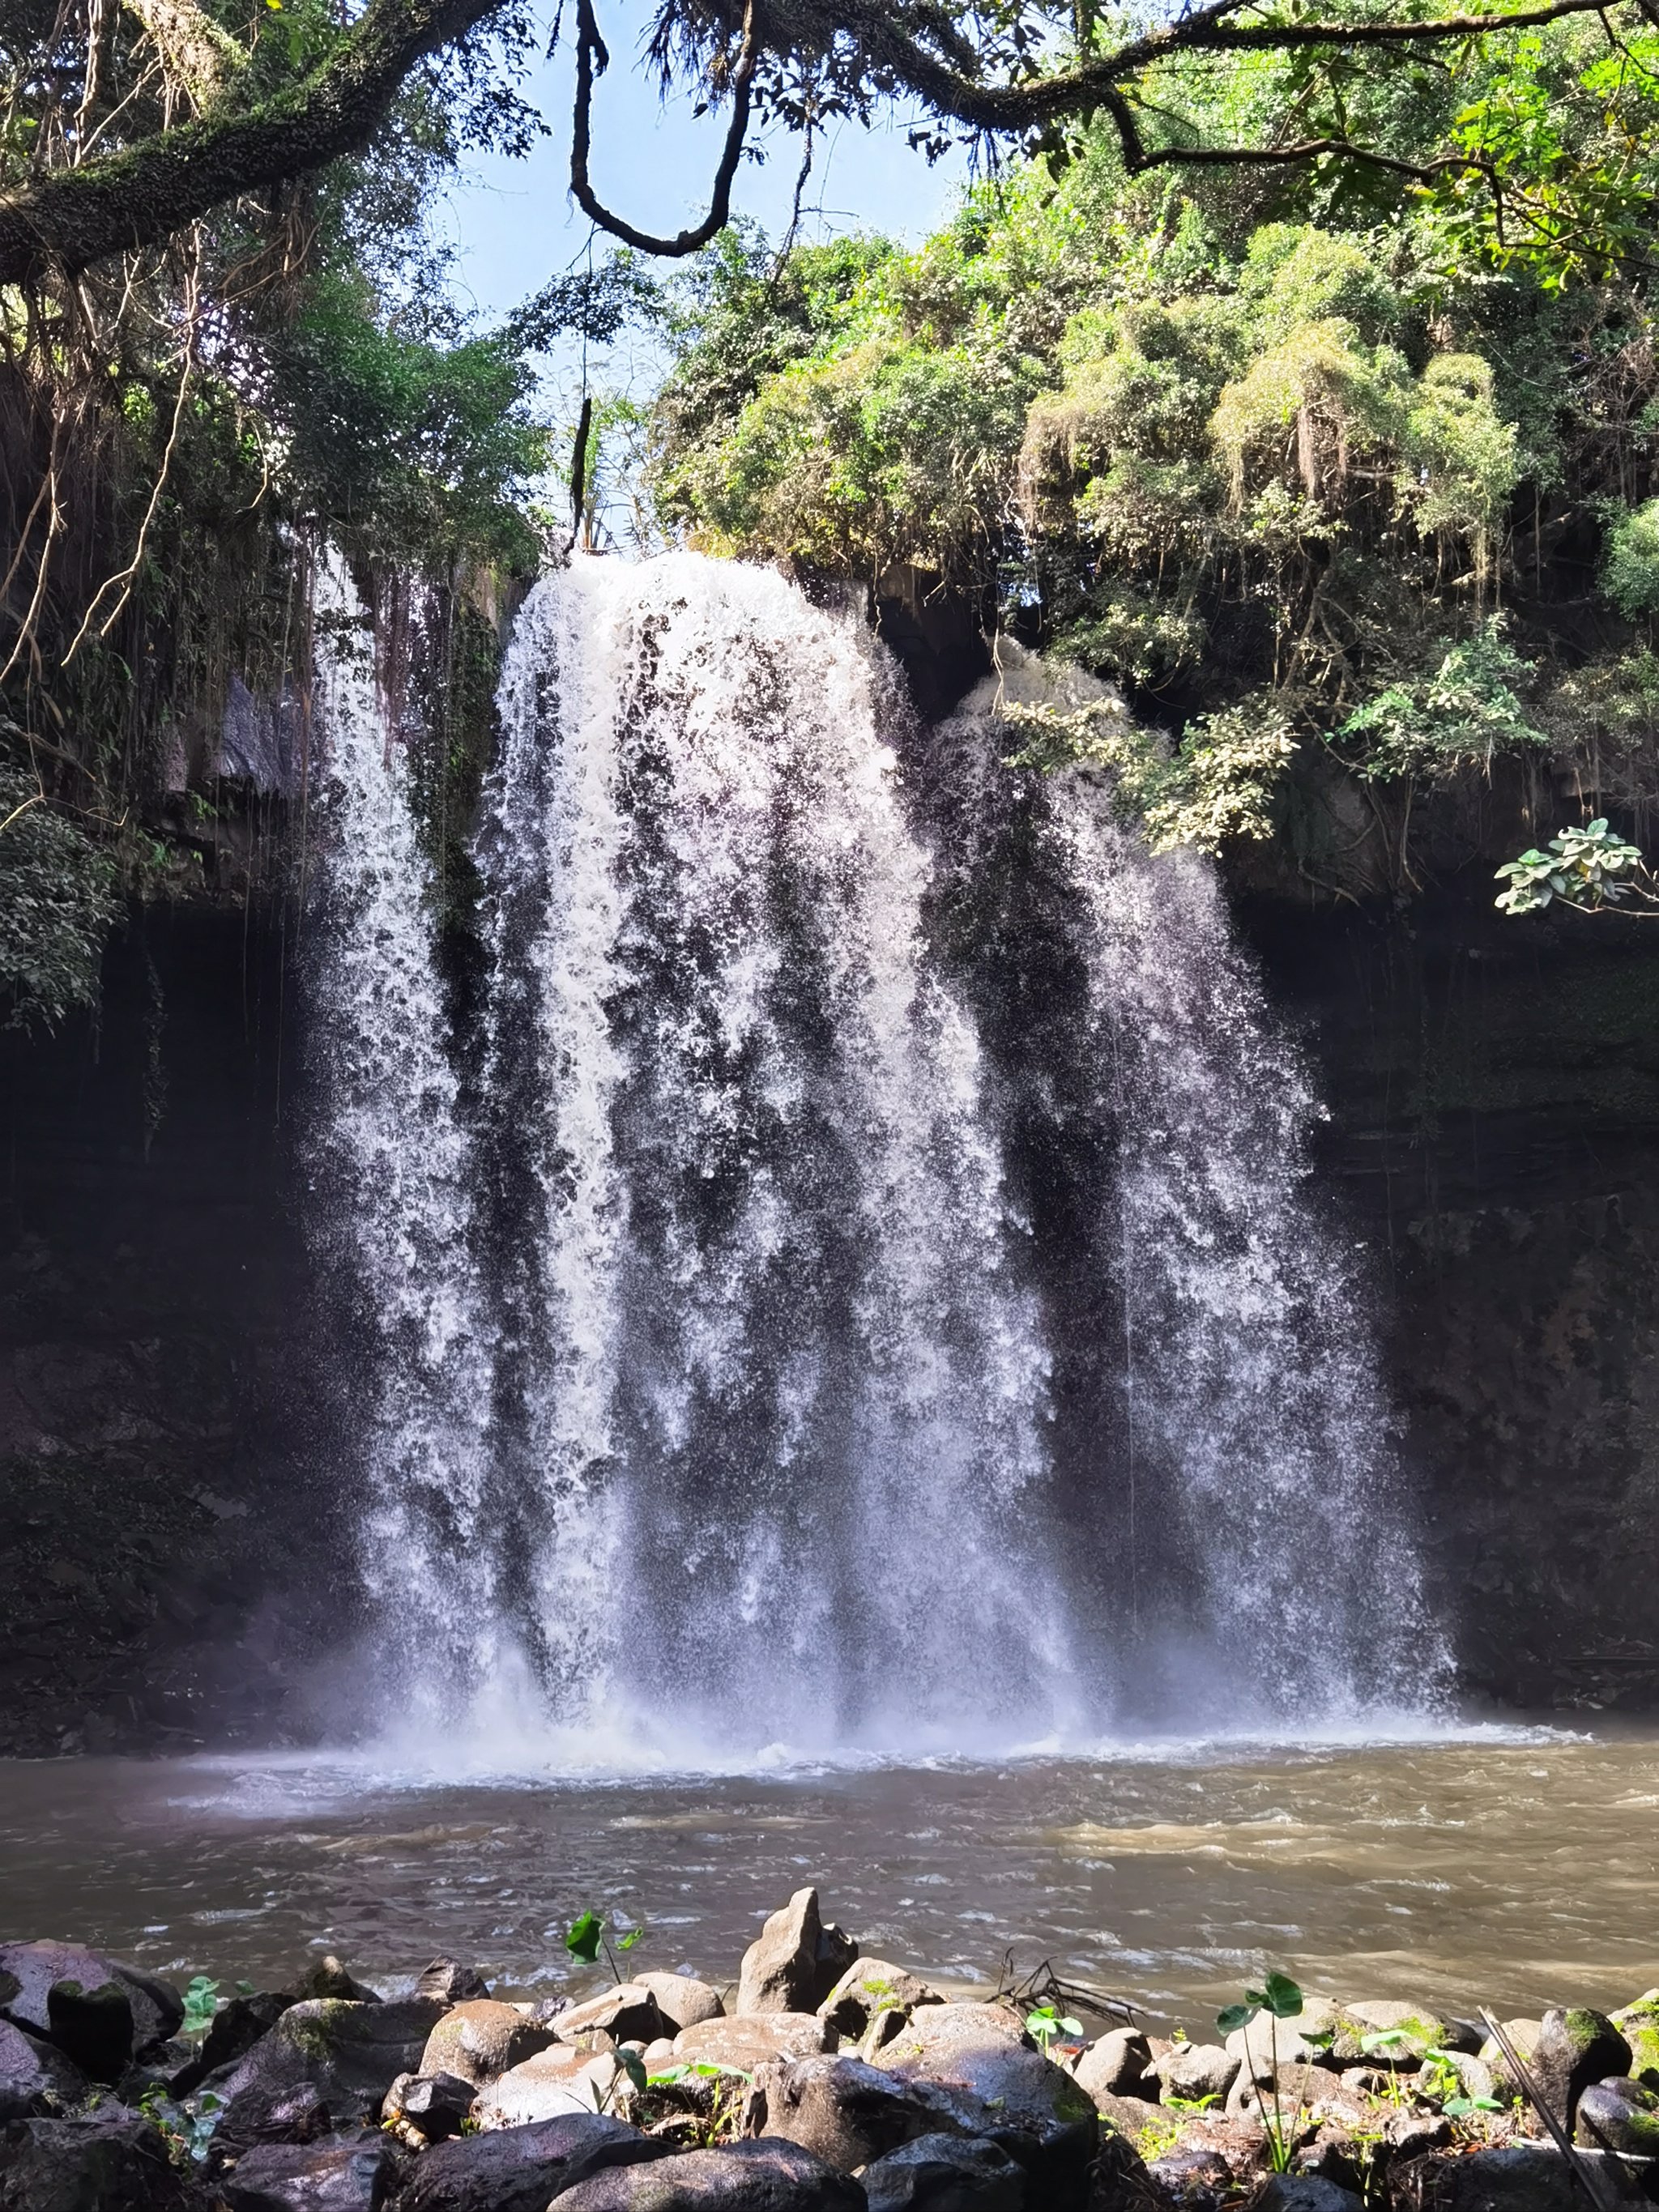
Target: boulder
point(869, 1987)
point(433, 2105)
point(1409, 2029)
point(295, 2115)
point(1575, 2048)
point(1128, 2116)
point(795, 1961)
point(450, 1982)
point(628, 2013)
point(349, 2052)
point(480, 2039)
point(1305, 2192)
point(1619, 2115)
point(766, 2176)
point(350, 2173)
point(29, 1971)
point(34, 2077)
point(683, 2000)
point(843, 2111)
point(1518, 2178)
point(1197, 2072)
point(998, 2086)
point(522, 2169)
point(561, 2080)
point(327, 1978)
point(1197, 2180)
point(946, 2173)
point(99, 2164)
point(1638, 2024)
point(235, 2030)
point(747, 2043)
point(1306, 2094)
point(1119, 2064)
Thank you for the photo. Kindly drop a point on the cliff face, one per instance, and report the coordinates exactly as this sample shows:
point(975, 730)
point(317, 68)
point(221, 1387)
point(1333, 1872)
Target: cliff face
point(1494, 1135)
point(177, 1543)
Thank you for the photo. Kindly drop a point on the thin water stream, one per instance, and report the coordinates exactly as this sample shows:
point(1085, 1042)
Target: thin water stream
point(1515, 1873)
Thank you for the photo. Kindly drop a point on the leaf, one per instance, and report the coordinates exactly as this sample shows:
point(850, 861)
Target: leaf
point(1231, 2018)
point(633, 2065)
point(584, 1937)
point(1070, 2026)
point(627, 1943)
point(1282, 1997)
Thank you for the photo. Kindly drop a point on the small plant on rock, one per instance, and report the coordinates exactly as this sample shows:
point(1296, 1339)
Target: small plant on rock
point(1043, 2023)
point(1280, 1999)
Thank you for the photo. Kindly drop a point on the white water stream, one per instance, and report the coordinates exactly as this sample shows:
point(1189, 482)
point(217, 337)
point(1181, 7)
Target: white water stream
point(722, 1381)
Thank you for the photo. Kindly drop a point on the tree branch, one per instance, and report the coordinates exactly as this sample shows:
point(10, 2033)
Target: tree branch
point(591, 61)
point(125, 201)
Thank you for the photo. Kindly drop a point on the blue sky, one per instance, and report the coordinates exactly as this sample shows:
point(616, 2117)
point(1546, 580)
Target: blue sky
point(514, 226)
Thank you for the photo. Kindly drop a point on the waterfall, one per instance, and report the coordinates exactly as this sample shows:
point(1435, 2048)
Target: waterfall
point(880, 1303)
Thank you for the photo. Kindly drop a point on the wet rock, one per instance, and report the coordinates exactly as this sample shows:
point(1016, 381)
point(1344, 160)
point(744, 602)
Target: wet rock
point(34, 2078)
point(433, 2105)
point(235, 2028)
point(766, 2176)
point(521, 2169)
point(1619, 2114)
point(480, 2039)
point(1000, 2087)
point(869, 1987)
point(1305, 2192)
point(1638, 2024)
point(446, 1979)
point(749, 2042)
point(630, 2013)
point(295, 2115)
point(93, 2027)
point(354, 2174)
point(1575, 2048)
point(1119, 2064)
point(89, 2166)
point(1197, 2072)
point(795, 1961)
point(681, 1999)
point(1518, 2178)
point(350, 2052)
point(156, 2008)
point(1197, 2180)
point(329, 1978)
point(844, 2111)
point(946, 2173)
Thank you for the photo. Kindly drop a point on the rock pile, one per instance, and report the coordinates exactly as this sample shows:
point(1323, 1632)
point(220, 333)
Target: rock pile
point(837, 2082)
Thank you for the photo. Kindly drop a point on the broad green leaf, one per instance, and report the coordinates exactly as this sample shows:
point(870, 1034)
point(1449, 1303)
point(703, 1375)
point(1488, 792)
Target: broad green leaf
point(627, 1943)
point(1233, 2017)
point(584, 1937)
point(1282, 1997)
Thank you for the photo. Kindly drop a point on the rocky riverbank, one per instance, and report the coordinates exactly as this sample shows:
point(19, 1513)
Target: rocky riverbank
point(820, 2080)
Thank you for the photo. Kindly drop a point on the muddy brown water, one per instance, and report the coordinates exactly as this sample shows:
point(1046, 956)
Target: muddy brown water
point(1515, 1873)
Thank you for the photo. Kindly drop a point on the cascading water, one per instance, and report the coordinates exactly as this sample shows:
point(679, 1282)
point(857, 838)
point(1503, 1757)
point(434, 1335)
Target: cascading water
point(881, 1305)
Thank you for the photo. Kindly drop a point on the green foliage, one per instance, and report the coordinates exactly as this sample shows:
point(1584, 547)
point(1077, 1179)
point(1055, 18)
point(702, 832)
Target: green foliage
point(1279, 1998)
point(58, 900)
point(1589, 868)
point(1629, 573)
point(201, 2003)
point(1461, 716)
point(1043, 2023)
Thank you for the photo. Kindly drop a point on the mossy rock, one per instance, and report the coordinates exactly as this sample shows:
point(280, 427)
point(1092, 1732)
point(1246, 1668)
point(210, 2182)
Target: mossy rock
point(1638, 2023)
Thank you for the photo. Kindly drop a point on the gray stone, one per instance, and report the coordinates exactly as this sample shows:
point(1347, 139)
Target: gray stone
point(353, 2174)
point(681, 1999)
point(766, 2176)
point(1196, 2072)
point(1575, 2047)
point(1197, 2180)
point(870, 1987)
point(795, 1961)
point(1619, 2114)
point(946, 2173)
point(1638, 2023)
point(628, 2013)
point(1314, 2092)
point(34, 2078)
point(351, 2053)
point(294, 2115)
point(555, 2081)
point(998, 2086)
point(1305, 2192)
point(235, 2030)
point(749, 2042)
point(480, 2039)
point(1519, 2178)
point(328, 1977)
point(843, 2111)
point(522, 2169)
point(432, 2105)
point(448, 1979)
point(88, 2166)
point(28, 1970)
point(1119, 2064)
